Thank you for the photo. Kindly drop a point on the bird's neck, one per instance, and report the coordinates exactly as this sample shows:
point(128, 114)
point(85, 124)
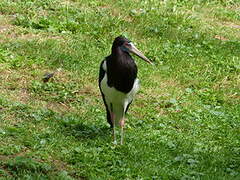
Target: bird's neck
point(121, 57)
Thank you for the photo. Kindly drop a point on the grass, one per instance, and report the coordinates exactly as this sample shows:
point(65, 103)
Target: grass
point(184, 123)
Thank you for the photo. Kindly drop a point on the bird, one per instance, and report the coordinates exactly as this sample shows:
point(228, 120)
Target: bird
point(118, 82)
point(47, 76)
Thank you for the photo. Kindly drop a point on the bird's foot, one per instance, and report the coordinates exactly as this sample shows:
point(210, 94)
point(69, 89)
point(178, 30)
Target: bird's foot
point(122, 122)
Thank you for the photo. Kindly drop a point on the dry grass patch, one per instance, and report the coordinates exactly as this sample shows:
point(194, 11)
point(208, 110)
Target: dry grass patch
point(15, 85)
point(160, 95)
point(230, 88)
point(9, 119)
point(232, 25)
point(163, 88)
point(222, 30)
point(9, 32)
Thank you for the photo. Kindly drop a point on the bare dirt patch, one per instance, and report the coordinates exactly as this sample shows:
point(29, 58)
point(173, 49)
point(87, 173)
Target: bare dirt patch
point(4, 28)
point(220, 38)
point(231, 25)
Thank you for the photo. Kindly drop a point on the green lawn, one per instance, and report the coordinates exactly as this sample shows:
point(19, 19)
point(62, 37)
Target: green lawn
point(184, 123)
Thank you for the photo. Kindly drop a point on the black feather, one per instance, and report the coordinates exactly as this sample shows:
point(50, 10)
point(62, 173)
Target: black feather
point(121, 68)
point(101, 76)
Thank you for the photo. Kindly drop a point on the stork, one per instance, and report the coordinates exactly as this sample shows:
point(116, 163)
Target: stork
point(118, 82)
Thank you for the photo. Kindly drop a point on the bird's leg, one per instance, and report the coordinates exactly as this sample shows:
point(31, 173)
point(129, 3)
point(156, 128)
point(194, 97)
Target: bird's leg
point(122, 122)
point(114, 125)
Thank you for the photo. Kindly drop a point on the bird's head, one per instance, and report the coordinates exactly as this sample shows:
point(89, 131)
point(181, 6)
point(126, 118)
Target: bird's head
point(127, 46)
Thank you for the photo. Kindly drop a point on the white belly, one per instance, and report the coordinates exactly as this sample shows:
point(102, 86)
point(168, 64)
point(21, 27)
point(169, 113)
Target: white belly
point(118, 99)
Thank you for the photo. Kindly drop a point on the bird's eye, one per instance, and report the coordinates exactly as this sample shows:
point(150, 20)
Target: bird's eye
point(127, 44)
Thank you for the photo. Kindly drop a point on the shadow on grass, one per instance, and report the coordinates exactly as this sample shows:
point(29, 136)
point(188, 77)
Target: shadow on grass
point(83, 131)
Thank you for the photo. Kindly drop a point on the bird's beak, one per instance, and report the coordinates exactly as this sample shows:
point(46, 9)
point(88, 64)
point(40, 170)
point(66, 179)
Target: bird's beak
point(135, 51)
